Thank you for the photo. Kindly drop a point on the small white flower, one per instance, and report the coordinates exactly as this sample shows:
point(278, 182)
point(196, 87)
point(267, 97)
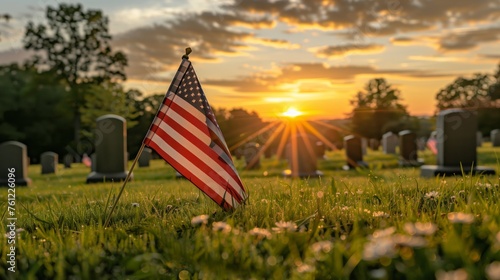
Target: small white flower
point(419, 228)
point(410, 241)
point(198, 220)
point(344, 208)
point(460, 218)
point(221, 226)
point(359, 191)
point(260, 232)
point(380, 214)
point(378, 248)
point(322, 247)
point(285, 226)
point(432, 195)
point(135, 204)
point(381, 233)
point(493, 271)
point(459, 274)
point(304, 268)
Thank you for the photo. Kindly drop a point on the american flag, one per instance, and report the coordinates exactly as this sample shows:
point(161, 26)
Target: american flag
point(186, 135)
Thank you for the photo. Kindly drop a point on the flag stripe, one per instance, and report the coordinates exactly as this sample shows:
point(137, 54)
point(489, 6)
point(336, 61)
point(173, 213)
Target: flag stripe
point(191, 171)
point(171, 129)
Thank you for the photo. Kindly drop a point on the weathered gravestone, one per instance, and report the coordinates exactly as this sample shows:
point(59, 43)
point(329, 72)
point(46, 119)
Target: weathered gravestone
point(479, 139)
point(495, 137)
point(408, 150)
point(456, 145)
point(319, 149)
point(110, 150)
point(364, 145)
point(14, 160)
point(145, 157)
point(250, 152)
point(389, 143)
point(49, 160)
point(354, 152)
point(374, 144)
point(302, 160)
point(67, 160)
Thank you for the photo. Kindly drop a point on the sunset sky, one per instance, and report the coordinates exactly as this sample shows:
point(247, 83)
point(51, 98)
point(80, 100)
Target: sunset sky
point(313, 55)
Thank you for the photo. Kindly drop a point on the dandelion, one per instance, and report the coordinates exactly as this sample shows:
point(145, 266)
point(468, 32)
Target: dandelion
point(221, 226)
point(493, 270)
point(419, 228)
point(432, 195)
point(380, 214)
point(322, 247)
point(260, 232)
point(285, 226)
point(460, 218)
point(199, 220)
point(459, 274)
point(135, 204)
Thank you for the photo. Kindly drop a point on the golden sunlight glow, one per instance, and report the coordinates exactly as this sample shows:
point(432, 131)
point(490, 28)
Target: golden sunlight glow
point(291, 113)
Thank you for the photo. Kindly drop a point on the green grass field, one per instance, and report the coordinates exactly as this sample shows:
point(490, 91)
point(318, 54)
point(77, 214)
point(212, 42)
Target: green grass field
point(382, 223)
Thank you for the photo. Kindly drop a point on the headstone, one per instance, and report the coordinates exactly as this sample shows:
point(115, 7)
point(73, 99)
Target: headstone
point(495, 137)
point(49, 160)
point(250, 152)
point(374, 144)
point(479, 139)
point(354, 152)
point(364, 145)
point(93, 162)
point(145, 157)
point(67, 160)
point(408, 150)
point(389, 143)
point(302, 159)
point(456, 145)
point(319, 149)
point(14, 157)
point(110, 150)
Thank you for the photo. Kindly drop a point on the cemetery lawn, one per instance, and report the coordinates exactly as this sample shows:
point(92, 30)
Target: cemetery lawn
point(383, 223)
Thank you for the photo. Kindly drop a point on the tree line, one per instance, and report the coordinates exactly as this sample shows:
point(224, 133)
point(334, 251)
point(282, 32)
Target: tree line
point(51, 101)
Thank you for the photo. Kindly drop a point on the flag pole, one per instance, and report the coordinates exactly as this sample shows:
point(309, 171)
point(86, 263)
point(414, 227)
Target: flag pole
point(125, 183)
point(185, 56)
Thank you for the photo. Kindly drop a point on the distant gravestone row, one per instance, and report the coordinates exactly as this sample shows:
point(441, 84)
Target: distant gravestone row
point(456, 145)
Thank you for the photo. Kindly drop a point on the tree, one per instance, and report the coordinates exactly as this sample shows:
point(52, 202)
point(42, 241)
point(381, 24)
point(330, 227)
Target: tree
point(377, 110)
point(75, 44)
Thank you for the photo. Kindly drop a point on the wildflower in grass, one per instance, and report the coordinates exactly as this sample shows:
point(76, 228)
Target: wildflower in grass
point(419, 228)
point(221, 226)
point(378, 248)
point(460, 218)
point(322, 247)
point(359, 191)
point(493, 271)
point(284, 226)
point(320, 194)
point(380, 214)
point(486, 186)
point(304, 268)
point(199, 220)
point(433, 195)
point(260, 232)
point(381, 233)
point(135, 204)
point(344, 208)
point(367, 211)
point(409, 241)
point(459, 274)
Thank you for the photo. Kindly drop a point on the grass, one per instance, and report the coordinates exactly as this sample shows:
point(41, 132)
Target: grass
point(382, 223)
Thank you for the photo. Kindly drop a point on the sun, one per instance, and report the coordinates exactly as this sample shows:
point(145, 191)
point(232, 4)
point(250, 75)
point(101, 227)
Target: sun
point(291, 113)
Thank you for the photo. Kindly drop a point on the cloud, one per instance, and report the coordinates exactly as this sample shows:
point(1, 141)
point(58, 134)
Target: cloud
point(346, 49)
point(314, 73)
point(275, 43)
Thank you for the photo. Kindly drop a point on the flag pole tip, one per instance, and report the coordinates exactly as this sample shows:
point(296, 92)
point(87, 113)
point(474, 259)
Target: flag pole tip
point(188, 51)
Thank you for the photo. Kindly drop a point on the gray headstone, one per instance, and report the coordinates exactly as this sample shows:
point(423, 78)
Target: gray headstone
point(14, 155)
point(110, 150)
point(456, 145)
point(354, 152)
point(495, 137)
point(389, 143)
point(479, 139)
point(250, 152)
point(49, 160)
point(67, 160)
point(374, 144)
point(145, 157)
point(408, 150)
point(302, 160)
